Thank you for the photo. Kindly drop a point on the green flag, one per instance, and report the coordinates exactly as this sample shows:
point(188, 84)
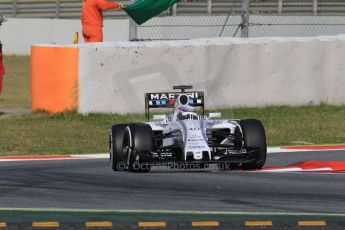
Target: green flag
point(143, 10)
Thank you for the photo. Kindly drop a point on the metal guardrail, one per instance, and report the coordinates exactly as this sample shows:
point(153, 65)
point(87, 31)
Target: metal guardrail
point(72, 8)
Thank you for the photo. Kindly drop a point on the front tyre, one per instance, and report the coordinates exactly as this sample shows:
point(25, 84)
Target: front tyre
point(117, 159)
point(254, 137)
point(138, 144)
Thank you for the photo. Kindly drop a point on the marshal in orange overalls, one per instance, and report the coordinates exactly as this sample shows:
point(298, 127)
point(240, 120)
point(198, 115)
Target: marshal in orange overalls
point(2, 68)
point(92, 18)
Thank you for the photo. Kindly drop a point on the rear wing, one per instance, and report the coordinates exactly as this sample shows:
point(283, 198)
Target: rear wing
point(167, 99)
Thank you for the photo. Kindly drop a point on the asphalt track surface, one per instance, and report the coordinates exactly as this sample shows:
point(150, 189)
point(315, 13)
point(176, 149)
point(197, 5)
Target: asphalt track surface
point(90, 184)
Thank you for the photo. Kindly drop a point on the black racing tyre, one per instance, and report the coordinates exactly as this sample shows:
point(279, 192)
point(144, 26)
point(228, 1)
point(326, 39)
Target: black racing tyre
point(254, 136)
point(117, 159)
point(138, 144)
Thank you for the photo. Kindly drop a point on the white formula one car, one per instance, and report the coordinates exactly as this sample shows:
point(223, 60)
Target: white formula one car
point(184, 137)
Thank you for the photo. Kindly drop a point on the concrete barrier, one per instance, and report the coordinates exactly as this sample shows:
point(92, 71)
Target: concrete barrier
point(114, 76)
point(19, 34)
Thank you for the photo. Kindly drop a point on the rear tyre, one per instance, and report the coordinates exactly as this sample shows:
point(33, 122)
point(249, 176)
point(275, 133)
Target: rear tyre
point(138, 144)
point(117, 159)
point(254, 137)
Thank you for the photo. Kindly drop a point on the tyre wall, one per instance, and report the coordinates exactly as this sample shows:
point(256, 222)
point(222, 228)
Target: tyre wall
point(114, 76)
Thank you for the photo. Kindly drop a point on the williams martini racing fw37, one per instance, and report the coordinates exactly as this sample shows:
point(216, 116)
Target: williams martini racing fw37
point(186, 138)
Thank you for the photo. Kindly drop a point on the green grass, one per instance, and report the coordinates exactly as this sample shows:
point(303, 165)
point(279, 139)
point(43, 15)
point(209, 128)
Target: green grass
point(65, 133)
point(70, 132)
point(16, 85)
point(285, 125)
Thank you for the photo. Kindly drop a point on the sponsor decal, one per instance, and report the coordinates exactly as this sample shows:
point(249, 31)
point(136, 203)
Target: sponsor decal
point(160, 96)
point(196, 147)
point(169, 99)
point(194, 129)
point(235, 152)
point(171, 96)
point(196, 140)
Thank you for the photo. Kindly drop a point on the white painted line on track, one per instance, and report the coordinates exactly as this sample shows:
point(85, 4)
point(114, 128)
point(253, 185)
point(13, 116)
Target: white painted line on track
point(92, 156)
point(48, 159)
point(280, 150)
point(318, 169)
point(295, 170)
point(54, 158)
point(281, 170)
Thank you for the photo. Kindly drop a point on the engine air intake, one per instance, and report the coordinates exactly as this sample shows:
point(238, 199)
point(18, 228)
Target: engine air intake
point(183, 99)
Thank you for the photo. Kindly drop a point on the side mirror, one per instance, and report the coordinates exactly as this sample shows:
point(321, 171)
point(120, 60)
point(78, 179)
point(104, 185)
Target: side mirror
point(160, 117)
point(215, 115)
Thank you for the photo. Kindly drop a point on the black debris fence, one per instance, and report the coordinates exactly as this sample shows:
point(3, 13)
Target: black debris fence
point(247, 18)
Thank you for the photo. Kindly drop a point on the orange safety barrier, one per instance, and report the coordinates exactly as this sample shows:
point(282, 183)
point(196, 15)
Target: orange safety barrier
point(54, 78)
